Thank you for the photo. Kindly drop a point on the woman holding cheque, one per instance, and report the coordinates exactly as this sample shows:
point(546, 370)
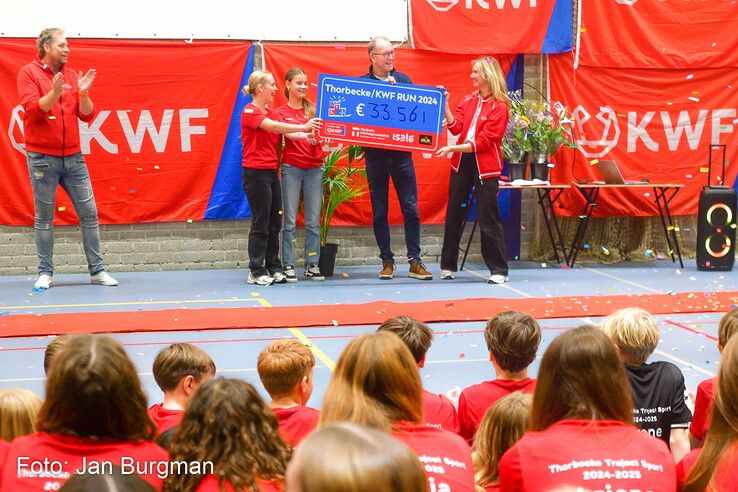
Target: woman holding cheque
point(260, 129)
point(480, 120)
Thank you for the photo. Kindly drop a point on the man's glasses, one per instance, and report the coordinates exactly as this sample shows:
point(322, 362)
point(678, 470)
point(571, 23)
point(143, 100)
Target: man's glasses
point(388, 55)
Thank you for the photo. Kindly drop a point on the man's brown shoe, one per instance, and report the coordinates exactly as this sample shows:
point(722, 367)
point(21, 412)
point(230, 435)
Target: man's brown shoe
point(418, 271)
point(388, 270)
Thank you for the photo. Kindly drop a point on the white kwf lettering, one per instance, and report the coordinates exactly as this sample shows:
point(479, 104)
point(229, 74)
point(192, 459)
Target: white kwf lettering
point(684, 125)
point(146, 125)
point(717, 126)
point(638, 131)
point(88, 133)
point(186, 130)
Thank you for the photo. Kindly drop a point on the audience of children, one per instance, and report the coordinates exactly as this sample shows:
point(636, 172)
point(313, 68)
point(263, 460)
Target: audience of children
point(438, 411)
point(376, 383)
point(512, 340)
point(581, 426)
point(179, 370)
point(658, 390)
point(286, 371)
point(378, 429)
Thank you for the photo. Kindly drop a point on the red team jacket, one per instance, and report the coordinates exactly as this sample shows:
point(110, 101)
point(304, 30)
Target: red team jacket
point(596, 456)
point(491, 126)
point(475, 400)
point(445, 457)
point(702, 408)
point(164, 418)
point(55, 132)
point(45, 461)
point(295, 423)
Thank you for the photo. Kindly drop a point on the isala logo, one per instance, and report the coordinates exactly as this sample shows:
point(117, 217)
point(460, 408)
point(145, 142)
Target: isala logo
point(446, 5)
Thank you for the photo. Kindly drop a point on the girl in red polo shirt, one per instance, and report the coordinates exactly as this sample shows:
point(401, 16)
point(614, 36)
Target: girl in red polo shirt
point(376, 383)
point(94, 418)
point(582, 433)
point(302, 169)
point(480, 120)
point(714, 466)
point(229, 429)
point(260, 129)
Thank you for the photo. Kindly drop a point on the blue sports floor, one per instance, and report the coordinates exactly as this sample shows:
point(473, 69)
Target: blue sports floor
point(457, 358)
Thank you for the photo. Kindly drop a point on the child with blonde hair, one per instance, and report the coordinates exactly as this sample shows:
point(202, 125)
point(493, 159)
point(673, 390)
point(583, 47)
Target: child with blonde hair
point(658, 390)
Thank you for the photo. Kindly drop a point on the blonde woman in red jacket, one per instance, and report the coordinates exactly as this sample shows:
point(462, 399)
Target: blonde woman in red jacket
point(480, 121)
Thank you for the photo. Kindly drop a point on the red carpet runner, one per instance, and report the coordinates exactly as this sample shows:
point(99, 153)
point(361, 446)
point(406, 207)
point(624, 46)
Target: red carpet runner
point(372, 313)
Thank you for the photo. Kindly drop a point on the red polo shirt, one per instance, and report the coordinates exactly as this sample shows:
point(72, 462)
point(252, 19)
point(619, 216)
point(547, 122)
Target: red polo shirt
point(259, 145)
point(727, 472)
point(53, 132)
point(210, 484)
point(702, 408)
point(440, 412)
point(298, 153)
point(164, 418)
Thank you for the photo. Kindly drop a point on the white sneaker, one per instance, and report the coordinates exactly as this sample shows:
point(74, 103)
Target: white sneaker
point(289, 272)
point(43, 281)
point(102, 278)
point(447, 275)
point(279, 278)
point(497, 279)
point(260, 280)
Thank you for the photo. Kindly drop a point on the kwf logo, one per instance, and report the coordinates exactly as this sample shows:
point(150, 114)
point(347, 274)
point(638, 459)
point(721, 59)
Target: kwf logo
point(446, 5)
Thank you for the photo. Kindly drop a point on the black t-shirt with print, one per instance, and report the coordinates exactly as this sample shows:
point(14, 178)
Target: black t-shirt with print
point(658, 398)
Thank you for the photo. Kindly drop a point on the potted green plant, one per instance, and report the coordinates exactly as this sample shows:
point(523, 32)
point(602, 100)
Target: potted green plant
point(516, 145)
point(343, 181)
point(547, 133)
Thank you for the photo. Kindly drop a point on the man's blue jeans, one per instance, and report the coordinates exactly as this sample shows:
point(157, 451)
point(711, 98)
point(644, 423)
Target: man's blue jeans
point(47, 172)
point(399, 167)
point(310, 181)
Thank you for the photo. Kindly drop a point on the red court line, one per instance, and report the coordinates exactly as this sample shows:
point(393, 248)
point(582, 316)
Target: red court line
point(373, 313)
point(692, 330)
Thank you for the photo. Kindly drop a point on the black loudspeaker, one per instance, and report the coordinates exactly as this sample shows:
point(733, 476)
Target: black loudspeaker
point(716, 223)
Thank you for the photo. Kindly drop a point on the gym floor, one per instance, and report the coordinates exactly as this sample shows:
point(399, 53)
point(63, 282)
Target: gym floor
point(457, 358)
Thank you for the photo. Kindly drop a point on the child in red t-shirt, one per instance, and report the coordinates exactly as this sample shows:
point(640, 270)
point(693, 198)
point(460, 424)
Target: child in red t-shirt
point(658, 390)
point(286, 371)
point(706, 389)
point(360, 459)
point(582, 434)
point(438, 410)
point(714, 466)
point(260, 129)
point(94, 418)
point(512, 339)
point(502, 426)
point(376, 383)
point(232, 435)
point(179, 370)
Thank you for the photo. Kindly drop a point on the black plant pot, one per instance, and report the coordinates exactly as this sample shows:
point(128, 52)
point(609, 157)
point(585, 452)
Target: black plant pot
point(539, 170)
point(516, 170)
point(327, 261)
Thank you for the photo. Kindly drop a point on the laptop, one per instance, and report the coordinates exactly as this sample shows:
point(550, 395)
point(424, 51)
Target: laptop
point(611, 174)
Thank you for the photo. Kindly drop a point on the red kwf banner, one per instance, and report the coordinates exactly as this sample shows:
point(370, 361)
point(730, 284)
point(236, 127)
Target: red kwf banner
point(424, 68)
point(154, 147)
point(496, 26)
point(656, 125)
point(658, 34)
